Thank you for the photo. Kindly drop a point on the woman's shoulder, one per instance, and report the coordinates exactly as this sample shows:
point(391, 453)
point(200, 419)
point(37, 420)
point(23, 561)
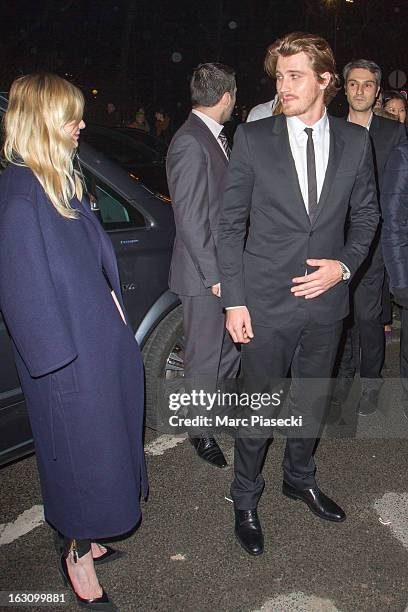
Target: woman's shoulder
point(18, 181)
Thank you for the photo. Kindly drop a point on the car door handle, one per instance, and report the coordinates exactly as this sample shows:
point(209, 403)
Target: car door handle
point(129, 242)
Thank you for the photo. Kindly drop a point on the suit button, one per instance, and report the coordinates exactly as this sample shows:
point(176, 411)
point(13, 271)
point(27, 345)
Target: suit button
point(311, 233)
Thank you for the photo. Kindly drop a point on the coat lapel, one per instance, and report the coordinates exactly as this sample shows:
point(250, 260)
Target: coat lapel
point(335, 154)
point(108, 257)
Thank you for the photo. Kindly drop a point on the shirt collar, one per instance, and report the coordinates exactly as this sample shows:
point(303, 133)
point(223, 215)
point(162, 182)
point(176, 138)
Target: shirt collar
point(367, 127)
point(297, 127)
point(212, 125)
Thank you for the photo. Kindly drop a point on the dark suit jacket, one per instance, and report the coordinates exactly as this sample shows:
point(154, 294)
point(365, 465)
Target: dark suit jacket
point(196, 170)
point(262, 183)
point(385, 135)
point(394, 198)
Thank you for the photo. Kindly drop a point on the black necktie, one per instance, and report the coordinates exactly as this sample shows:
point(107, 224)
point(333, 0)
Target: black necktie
point(311, 173)
point(224, 141)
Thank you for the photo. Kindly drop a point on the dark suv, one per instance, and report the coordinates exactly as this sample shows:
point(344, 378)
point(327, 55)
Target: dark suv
point(141, 228)
point(141, 155)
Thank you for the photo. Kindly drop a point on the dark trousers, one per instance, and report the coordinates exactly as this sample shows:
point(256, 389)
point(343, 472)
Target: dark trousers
point(308, 350)
point(404, 354)
point(210, 356)
point(386, 316)
point(363, 335)
point(209, 351)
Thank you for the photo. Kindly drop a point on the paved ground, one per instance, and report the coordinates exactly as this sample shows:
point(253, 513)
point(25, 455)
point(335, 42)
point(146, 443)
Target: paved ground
point(185, 557)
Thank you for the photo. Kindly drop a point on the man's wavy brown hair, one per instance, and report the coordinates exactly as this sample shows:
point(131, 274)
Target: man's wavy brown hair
point(317, 50)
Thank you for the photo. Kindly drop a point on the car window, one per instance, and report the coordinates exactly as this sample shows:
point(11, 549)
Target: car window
point(151, 141)
point(120, 148)
point(115, 211)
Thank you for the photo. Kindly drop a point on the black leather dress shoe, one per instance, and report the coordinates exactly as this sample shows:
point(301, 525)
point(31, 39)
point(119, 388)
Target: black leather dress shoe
point(318, 502)
point(208, 450)
point(97, 603)
point(248, 531)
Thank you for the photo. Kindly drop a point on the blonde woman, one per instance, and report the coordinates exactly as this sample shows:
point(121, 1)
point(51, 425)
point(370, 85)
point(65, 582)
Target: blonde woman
point(79, 365)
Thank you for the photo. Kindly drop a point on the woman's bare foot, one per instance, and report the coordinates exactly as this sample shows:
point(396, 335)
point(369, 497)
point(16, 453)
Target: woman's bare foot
point(83, 576)
point(97, 550)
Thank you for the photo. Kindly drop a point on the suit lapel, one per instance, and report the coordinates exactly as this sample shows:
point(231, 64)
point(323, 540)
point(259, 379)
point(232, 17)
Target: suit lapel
point(335, 153)
point(287, 163)
point(374, 126)
point(208, 135)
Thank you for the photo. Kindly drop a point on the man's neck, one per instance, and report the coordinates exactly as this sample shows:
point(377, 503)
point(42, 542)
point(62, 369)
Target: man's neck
point(313, 115)
point(360, 117)
point(210, 111)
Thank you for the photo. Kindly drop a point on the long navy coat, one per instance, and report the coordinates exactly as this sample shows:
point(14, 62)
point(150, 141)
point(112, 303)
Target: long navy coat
point(79, 364)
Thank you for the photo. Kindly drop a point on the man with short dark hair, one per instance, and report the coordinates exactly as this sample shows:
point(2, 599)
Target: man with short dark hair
point(364, 329)
point(285, 279)
point(197, 162)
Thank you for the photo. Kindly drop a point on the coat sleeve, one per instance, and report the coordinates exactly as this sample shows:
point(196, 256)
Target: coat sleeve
point(401, 134)
point(364, 211)
point(188, 182)
point(233, 222)
point(394, 204)
point(28, 297)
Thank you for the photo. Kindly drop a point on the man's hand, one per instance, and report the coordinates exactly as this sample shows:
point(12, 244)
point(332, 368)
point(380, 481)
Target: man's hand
point(239, 324)
point(216, 290)
point(312, 285)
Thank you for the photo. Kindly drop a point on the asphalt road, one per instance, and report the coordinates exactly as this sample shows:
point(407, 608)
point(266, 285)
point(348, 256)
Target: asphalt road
point(184, 555)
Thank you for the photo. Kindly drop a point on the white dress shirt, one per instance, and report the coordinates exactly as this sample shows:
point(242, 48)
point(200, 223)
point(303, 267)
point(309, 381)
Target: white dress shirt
point(298, 143)
point(212, 125)
point(261, 111)
point(367, 127)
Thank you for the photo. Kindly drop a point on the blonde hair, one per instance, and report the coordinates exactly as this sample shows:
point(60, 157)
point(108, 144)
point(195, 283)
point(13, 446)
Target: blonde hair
point(317, 50)
point(40, 105)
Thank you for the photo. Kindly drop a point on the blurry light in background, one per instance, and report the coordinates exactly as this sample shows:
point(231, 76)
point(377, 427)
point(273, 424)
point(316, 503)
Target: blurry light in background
point(176, 57)
point(94, 92)
point(232, 25)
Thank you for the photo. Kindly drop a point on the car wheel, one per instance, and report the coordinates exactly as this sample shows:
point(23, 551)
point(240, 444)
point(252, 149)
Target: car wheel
point(164, 366)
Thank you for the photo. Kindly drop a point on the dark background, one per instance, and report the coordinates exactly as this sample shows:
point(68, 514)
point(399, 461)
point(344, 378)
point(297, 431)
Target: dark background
point(124, 48)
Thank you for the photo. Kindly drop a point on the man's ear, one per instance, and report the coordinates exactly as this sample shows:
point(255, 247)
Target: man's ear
point(324, 80)
point(226, 98)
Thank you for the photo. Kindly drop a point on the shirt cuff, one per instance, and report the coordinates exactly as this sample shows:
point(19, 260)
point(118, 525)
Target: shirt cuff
point(234, 307)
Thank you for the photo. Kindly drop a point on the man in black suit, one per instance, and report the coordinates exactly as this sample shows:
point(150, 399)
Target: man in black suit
point(294, 177)
point(197, 162)
point(363, 336)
